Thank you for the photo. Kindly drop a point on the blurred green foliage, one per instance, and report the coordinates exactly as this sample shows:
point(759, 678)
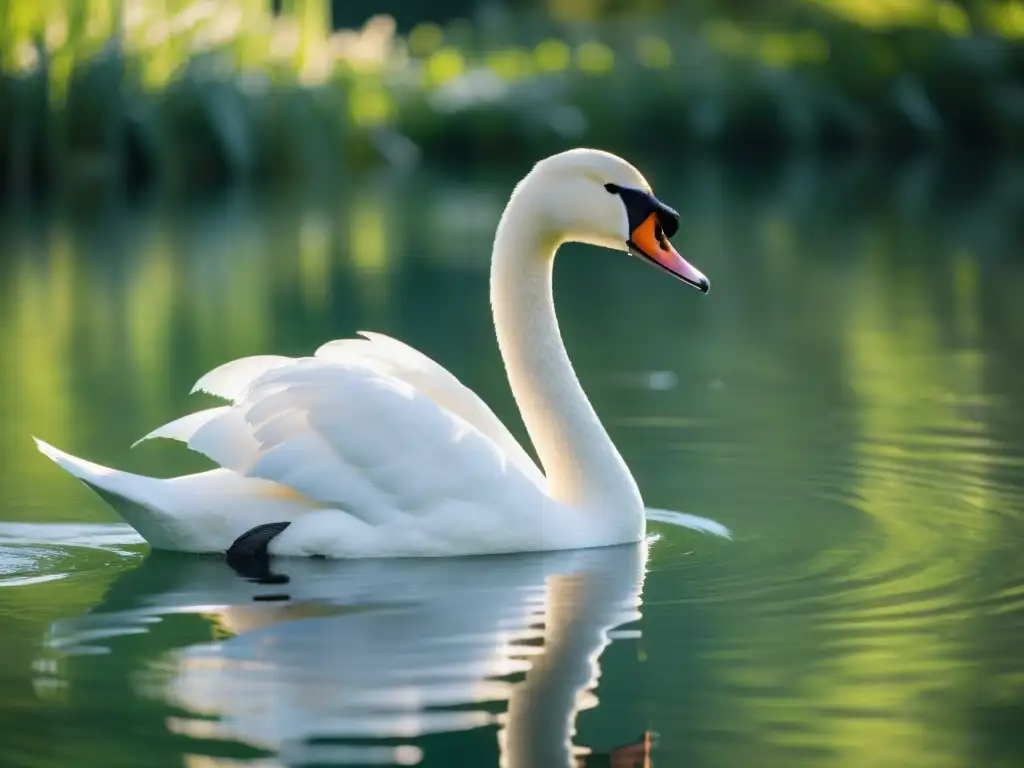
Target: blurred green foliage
point(198, 92)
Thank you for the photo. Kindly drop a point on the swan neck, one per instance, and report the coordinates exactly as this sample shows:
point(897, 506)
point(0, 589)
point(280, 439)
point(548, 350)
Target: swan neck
point(583, 467)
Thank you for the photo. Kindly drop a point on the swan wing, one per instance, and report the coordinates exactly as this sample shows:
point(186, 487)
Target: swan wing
point(388, 357)
point(395, 358)
point(349, 437)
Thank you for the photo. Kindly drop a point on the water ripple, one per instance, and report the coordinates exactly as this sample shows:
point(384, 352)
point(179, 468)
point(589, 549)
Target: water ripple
point(32, 553)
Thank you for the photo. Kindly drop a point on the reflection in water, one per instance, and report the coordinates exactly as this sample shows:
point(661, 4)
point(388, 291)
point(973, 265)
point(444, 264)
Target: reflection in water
point(339, 653)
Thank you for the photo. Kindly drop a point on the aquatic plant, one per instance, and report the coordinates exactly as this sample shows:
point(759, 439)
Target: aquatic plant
point(199, 92)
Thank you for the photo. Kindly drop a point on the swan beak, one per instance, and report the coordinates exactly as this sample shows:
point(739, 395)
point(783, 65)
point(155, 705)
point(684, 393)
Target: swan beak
point(648, 241)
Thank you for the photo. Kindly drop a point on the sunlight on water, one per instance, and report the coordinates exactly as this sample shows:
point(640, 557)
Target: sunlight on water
point(841, 420)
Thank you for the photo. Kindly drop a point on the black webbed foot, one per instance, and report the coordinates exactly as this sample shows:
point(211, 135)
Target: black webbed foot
point(248, 555)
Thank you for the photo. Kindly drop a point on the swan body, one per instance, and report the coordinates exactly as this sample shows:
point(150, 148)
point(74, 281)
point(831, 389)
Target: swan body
point(369, 448)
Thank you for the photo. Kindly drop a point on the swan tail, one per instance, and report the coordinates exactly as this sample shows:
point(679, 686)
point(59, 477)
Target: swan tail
point(202, 513)
point(132, 496)
point(94, 475)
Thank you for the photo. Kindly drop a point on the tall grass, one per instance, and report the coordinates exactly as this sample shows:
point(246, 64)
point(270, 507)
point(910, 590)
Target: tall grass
point(200, 92)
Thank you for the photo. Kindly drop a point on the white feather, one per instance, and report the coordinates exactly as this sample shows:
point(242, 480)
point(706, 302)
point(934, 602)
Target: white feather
point(401, 361)
point(184, 428)
point(227, 440)
point(230, 380)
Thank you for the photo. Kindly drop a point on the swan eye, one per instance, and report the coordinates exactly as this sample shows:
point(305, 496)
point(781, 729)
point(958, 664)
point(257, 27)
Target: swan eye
point(613, 188)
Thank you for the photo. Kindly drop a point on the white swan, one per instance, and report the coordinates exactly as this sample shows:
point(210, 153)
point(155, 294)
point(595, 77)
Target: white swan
point(371, 449)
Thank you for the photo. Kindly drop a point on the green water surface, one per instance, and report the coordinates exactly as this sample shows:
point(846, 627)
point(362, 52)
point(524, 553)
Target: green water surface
point(848, 401)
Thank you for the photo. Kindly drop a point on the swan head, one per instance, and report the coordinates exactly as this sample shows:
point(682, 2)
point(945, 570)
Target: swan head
point(594, 197)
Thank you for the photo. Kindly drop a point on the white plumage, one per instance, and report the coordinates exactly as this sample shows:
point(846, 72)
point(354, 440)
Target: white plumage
point(371, 449)
point(347, 446)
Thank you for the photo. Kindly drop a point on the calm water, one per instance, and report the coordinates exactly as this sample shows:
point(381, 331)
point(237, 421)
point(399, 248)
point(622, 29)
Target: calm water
point(847, 400)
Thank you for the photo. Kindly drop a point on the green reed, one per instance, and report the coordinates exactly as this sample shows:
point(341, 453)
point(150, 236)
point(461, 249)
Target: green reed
point(201, 92)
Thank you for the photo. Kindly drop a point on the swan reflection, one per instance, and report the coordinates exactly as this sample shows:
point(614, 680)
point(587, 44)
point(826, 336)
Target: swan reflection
point(317, 660)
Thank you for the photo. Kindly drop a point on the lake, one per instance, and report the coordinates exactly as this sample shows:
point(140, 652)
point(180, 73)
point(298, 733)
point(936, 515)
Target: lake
point(847, 401)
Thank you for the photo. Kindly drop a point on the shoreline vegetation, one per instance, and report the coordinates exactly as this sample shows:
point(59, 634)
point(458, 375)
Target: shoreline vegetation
point(190, 94)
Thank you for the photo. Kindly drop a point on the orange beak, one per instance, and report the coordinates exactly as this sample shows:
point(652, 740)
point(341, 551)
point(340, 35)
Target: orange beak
point(648, 241)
